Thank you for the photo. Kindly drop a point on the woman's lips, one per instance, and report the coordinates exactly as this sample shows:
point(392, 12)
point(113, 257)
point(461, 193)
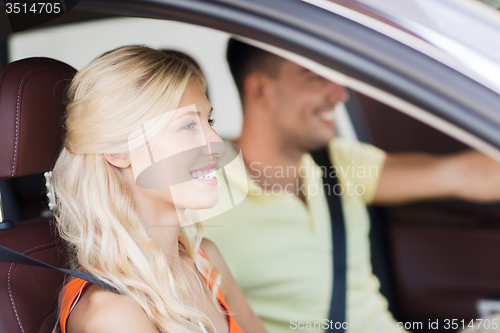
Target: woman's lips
point(206, 177)
point(205, 167)
point(212, 182)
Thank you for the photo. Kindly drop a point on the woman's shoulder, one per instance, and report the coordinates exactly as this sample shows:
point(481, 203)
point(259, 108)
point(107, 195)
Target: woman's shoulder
point(100, 310)
point(213, 254)
point(233, 296)
point(210, 248)
point(220, 264)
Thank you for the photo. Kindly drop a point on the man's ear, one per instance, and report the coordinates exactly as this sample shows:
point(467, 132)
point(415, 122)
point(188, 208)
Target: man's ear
point(121, 161)
point(256, 87)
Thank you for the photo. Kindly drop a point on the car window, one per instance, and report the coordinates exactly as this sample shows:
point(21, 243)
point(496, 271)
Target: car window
point(77, 44)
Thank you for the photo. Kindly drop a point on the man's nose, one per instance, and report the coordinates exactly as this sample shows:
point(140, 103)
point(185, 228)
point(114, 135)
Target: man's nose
point(337, 93)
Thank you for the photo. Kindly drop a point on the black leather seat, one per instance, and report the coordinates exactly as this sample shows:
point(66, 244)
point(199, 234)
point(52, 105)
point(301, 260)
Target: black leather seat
point(31, 110)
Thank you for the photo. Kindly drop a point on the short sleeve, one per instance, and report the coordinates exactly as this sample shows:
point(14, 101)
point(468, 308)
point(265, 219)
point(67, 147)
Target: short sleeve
point(358, 165)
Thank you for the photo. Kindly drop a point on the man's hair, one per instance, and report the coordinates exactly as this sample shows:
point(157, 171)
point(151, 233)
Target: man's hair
point(244, 59)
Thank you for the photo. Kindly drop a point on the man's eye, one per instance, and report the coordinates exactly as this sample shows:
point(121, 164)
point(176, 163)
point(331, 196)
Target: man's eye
point(316, 78)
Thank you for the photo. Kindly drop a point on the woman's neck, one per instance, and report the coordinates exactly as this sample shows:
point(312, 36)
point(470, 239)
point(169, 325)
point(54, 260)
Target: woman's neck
point(161, 219)
point(163, 228)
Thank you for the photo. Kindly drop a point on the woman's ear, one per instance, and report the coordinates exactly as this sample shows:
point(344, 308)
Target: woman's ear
point(121, 161)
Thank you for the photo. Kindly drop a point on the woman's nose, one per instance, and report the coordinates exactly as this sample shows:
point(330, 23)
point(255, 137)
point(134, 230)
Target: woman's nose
point(215, 145)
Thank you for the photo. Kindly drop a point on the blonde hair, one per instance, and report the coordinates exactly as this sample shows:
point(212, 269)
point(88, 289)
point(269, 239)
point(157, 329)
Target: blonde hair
point(94, 207)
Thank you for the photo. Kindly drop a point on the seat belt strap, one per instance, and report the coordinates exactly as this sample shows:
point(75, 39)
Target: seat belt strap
point(8, 255)
point(337, 314)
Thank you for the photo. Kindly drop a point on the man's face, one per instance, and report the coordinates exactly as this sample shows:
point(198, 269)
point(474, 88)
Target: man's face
point(302, 105)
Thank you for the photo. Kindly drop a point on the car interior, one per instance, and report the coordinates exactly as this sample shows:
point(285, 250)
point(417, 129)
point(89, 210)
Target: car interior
point(32, 107)
point(435, 259)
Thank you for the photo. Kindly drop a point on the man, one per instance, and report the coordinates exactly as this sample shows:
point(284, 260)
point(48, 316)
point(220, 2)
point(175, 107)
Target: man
point(277, 242)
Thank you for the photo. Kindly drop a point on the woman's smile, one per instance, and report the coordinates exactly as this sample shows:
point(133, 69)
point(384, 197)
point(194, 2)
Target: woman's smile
point(205, 174)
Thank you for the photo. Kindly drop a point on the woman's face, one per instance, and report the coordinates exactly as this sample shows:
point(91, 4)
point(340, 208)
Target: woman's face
point(179, 167)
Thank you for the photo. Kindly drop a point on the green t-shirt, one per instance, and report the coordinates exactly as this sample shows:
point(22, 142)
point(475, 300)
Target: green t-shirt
point(280, 249)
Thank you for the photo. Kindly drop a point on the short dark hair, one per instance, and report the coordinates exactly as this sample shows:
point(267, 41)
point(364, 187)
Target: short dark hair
point(244, 59)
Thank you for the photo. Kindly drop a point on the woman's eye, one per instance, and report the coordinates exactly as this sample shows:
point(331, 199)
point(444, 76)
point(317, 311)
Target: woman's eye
point(211, 122)
point(191, 126)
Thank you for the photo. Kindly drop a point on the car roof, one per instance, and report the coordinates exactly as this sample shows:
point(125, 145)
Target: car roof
point(450, 25)
point(450, 83)
point(465, 30)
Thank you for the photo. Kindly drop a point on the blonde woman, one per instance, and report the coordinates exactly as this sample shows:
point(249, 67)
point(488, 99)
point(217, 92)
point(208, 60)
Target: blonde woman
point(125, 233)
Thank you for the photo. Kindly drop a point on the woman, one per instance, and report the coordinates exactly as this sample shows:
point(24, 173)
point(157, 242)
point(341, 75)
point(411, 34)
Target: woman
point(126, 233)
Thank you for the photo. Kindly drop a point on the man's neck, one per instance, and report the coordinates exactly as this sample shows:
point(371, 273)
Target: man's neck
point(271, 161)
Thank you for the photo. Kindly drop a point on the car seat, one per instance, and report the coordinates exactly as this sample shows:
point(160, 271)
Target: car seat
point(31, 113)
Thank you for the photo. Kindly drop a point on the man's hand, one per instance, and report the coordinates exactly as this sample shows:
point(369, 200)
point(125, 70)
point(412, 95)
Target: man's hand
point(468, 175)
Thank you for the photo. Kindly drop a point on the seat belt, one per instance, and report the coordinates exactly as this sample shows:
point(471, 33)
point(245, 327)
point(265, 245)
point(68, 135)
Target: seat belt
point(8, 255)
point(337, 314)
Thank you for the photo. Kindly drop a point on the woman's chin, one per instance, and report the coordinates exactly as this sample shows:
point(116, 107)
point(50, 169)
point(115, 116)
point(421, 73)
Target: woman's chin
point(194, 195)
point(205, 202)
point(198, 201)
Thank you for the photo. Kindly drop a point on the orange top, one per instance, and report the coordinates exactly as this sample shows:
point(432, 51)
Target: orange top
point(74, 289)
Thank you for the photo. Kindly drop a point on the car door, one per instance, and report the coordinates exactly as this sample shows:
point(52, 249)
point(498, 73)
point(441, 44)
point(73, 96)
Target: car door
point(377, 51)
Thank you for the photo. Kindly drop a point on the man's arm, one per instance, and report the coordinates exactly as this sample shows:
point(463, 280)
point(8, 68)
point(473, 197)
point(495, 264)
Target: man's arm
point(468, 175)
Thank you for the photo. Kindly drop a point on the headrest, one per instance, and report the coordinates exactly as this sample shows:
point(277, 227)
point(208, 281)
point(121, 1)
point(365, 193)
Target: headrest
point(32, 94)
